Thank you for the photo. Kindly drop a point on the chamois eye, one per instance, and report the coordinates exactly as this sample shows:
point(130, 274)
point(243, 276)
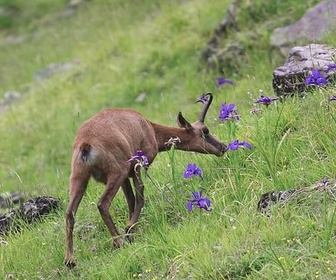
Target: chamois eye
point(205, 131)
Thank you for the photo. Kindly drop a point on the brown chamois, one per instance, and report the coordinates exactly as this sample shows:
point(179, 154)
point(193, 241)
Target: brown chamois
point(104, 144)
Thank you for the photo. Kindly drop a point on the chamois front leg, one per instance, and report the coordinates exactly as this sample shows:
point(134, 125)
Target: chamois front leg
point(113, 184)
point(139, 203)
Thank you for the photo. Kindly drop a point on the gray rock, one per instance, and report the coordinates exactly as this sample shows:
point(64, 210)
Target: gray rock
point(16, 39)
point(72, 6)
point(7, 222)
point(56, 68)
point(36, 208)
point(312, 27)
point(311, 197)
point(75, 3)
point(8, 200)
point(272, 198)
point(290, 78)
point(141, 97)
point(9, 97)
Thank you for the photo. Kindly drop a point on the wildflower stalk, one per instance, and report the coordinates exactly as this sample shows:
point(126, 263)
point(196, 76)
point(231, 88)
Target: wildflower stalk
point(172, 143)
point(172, 163)
point(203, 203)
point(232, 129)
point(199, 227)
point(328, 224)
point(236, 161)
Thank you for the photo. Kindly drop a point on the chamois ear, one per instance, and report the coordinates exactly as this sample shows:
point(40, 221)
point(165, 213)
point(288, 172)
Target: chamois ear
point(182, 122)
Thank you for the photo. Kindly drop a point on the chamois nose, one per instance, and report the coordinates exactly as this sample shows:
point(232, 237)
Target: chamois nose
point(223, 149)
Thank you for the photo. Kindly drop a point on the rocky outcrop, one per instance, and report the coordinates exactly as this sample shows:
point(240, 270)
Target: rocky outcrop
point(290, 78)
point(56, 68)
point(311, 196)
point(30, 211)
point(9, 97)
point(215, 55)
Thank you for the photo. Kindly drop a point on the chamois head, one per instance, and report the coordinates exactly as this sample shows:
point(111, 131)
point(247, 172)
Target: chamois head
point(200, 139)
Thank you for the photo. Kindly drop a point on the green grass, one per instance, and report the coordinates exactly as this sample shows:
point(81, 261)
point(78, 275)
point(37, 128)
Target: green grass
point(126, 48)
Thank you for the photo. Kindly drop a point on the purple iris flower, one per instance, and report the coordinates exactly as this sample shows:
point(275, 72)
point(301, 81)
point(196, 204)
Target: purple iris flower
point(192, 170)
point(234, 145)
point(266, 100)
point(221, 81)
point(316, 78)
point(199, 202)
point(228, 112)
point(331, 67)
point(140, 158)
point(332, 98)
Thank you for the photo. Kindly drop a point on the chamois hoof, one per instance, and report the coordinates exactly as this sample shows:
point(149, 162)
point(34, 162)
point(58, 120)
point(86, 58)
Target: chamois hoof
point(117, 243)
point(129, 238)
point(71, 263)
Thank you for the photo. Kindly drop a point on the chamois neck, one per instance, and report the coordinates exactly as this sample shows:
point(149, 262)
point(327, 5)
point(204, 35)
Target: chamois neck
point(165, 133)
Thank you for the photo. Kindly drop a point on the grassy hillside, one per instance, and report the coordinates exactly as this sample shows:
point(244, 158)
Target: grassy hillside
point(123, 49)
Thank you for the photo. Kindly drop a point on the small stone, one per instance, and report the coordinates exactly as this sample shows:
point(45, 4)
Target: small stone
point(141, 97)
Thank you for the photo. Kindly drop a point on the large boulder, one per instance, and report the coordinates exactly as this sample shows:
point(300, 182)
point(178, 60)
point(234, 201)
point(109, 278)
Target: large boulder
point(316, 23)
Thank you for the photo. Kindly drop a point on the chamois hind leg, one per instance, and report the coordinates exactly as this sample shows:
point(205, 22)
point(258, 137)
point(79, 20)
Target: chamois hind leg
point(78, 184)
point(114, 182)
point(128, 192)
point(127, 188)
point(139, 201)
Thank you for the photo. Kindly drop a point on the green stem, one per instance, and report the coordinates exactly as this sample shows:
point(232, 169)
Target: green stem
point(172, 163)
point(199, 227)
